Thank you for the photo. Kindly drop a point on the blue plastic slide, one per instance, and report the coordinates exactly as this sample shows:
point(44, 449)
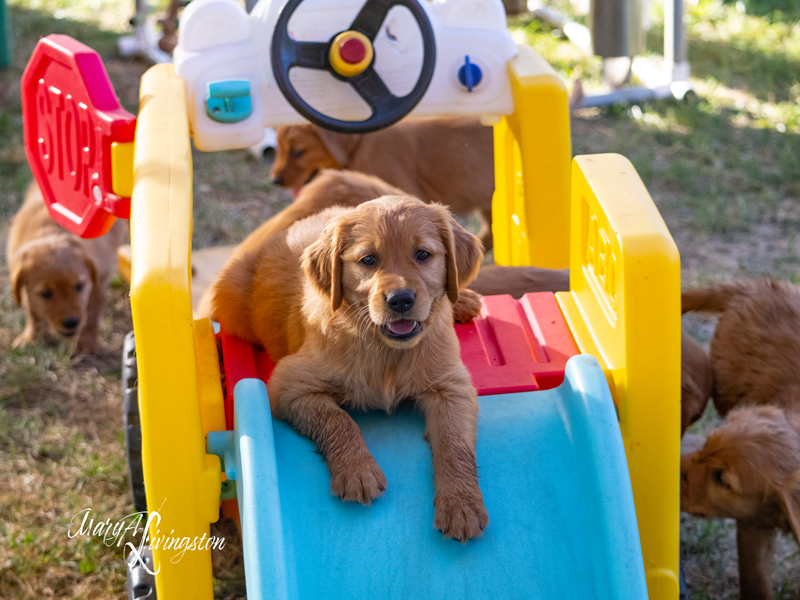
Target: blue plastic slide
point(554, 478)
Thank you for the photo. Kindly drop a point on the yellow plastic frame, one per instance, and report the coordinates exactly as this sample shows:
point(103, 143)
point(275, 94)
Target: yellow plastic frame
point(623, 308)
point(180, 397)
point(624, 302)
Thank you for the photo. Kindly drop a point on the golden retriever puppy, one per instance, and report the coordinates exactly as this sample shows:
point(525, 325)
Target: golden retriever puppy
point(334, 188)
point(755, 351)
point(58, 277)
point(448, 160)
point(697, 381)
point(356, 307)
point(749, 470)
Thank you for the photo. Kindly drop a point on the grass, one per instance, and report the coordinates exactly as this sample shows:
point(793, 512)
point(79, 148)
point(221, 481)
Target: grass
point(721, 166)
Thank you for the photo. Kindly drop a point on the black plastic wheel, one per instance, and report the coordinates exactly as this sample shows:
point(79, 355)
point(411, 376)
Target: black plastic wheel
point(286, 53)
point(130, 415)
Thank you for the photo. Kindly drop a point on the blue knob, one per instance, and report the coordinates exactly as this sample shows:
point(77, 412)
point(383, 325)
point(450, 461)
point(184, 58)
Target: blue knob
point(469, 74)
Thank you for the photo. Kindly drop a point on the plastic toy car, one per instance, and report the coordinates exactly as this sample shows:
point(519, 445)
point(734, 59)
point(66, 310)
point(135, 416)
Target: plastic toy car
point(582, 492)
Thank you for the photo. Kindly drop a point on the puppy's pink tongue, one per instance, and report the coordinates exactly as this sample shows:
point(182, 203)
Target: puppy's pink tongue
point(295, 191)
point(402, 327)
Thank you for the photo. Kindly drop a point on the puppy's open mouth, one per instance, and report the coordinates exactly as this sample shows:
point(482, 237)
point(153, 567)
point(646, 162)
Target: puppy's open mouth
point(402, 329)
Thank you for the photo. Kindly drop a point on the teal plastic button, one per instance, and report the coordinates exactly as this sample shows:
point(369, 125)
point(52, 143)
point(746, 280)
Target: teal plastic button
point(228, 101)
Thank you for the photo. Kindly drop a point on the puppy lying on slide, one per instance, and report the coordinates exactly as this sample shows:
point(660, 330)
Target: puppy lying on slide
point(749, 470)
point(755, 351)
point(349, 189)
point(356, 305)
point(60, 278)
point(444, 159)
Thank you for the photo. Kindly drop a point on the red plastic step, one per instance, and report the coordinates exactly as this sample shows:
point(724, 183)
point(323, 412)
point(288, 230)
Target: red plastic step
point(513, 346)
point(516, 345)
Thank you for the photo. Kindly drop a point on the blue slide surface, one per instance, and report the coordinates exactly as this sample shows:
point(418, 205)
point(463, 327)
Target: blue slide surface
point(551, 467)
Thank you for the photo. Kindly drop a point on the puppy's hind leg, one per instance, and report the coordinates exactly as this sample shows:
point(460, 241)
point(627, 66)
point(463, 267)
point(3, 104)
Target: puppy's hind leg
point(301, 400)
point(451, 421)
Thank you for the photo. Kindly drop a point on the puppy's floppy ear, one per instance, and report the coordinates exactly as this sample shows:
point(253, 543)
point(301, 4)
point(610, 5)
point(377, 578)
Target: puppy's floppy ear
point(340, 145)
point(92, 269)
point(464, 252)
point(19, 269)
point(322, 262)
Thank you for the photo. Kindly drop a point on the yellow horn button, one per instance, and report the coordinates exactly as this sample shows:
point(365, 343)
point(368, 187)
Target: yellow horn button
point(351, 53)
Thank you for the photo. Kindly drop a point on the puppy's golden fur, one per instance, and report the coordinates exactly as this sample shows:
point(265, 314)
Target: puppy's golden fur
point(59, 278)
point(697, 381)
point(319, 297)
point(749, 470)
point(445, 159)
point(755, 351)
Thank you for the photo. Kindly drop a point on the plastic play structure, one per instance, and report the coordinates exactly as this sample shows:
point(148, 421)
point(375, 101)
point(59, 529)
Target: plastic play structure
point(582, 490)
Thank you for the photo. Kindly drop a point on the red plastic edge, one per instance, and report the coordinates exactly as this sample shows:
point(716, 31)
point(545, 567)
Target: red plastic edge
point(516, 345)
point(71, 116)
point(241, 360)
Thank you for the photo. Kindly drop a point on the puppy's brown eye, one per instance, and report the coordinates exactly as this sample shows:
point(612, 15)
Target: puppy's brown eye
point(294, 153)
point(46, 294)
point(368, 260)
point(717, 476)
point(423, 255)
point(79, 286)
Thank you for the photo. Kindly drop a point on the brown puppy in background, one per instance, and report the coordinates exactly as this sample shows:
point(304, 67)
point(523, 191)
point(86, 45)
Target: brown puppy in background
point(697, 381)
point(356, 305)
point(448, 160)
point(60, 278)
point(749, 470)
point(755, 351)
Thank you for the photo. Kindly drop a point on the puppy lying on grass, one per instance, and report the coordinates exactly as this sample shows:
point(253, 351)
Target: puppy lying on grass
point(58, 277)
point(443, 159)
point(755, 351)
point(356, 305)
point(749, 470)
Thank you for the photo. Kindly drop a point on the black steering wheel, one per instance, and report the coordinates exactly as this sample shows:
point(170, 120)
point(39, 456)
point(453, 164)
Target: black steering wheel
point(359, 56)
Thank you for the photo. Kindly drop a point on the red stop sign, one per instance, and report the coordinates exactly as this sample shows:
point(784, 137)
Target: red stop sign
point(71, 116)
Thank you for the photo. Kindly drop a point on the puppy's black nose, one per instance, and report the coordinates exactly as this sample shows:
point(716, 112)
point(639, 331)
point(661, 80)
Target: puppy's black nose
point(401, 300)
point(70, 322)
point(277, 180)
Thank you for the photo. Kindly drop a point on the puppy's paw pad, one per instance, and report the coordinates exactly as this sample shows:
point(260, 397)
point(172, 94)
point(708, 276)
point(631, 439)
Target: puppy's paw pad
point(358, 480)
point(467, 307)
point(460, 518)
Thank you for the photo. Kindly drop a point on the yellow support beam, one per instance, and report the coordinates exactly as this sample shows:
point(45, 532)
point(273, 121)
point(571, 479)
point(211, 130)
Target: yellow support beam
point(624, 308)
point(530, 209)
point(181, 480)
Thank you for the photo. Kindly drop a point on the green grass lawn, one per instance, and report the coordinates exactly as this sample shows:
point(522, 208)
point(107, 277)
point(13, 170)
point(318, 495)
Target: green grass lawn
point(722, 167)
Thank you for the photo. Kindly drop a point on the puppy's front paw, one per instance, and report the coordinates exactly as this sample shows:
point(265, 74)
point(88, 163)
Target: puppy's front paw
point(87, 345)
point(467, 307)
point(24, 338)
point(462, 516)
point(357, 479)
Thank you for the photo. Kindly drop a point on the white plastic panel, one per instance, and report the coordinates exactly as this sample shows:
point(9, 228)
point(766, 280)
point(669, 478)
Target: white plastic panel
point(219, 40)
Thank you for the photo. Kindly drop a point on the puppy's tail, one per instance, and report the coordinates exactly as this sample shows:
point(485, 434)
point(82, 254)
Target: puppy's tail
point(714, 299)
